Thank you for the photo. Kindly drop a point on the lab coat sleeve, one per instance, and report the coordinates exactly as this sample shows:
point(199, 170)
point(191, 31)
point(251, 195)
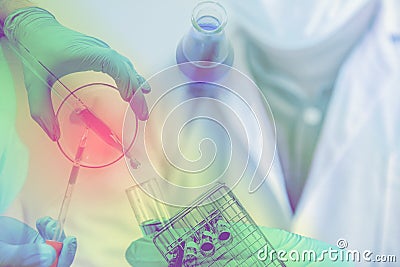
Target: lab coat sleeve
point(13, 153)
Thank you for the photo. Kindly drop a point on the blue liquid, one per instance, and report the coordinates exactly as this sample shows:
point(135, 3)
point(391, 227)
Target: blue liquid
point(208, 27)
point(208, 23)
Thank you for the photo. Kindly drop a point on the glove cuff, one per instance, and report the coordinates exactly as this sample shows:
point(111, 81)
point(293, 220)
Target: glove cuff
point(19, 21)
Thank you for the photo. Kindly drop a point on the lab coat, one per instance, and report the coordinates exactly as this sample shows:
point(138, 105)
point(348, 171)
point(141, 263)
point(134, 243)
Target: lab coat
point(354, 181)
point(353, 188)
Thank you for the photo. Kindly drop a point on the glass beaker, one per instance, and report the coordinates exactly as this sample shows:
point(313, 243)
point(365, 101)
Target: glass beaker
point(150, 213)
point(205, 44)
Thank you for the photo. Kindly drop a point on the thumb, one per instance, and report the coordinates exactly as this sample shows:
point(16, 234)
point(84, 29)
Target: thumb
point(26, 255)
point(40, 105)
point(143, 253)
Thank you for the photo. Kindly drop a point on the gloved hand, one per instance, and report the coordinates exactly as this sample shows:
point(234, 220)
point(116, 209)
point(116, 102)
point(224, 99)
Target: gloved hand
point(143, 253)
point(22, 246)
point(64, 51)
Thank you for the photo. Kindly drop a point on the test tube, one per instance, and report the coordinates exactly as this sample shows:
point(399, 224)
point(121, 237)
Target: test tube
point(190, 254)
point(207, 247)
point(222, 229)
point(150, 213)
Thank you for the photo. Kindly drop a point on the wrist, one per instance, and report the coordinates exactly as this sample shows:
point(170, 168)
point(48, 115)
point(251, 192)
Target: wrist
point(9, 6)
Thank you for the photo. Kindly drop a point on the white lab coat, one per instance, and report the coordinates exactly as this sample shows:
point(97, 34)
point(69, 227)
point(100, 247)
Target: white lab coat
point(13, 154)
point(354, 182)
point(353, 188)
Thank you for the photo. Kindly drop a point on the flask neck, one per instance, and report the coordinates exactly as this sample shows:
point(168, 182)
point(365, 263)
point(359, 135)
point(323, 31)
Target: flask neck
point(208, 24)
point(206, 39)
point(205, 44)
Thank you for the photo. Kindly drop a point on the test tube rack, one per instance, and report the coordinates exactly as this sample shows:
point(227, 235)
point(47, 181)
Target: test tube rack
point(187, 226)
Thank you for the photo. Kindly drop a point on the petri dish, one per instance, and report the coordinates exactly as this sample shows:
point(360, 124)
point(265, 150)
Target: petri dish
point(103, 113)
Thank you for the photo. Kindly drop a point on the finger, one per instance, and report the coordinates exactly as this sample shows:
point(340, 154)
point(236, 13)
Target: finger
point(114, 64)
point(27, 255)
point(47, 227)
point(108, 61)
point(40, 105)
point(144, 86)
point(127, 82)
point(68, 252)
point(41, 226)
point(139, 106)
point(121, 70)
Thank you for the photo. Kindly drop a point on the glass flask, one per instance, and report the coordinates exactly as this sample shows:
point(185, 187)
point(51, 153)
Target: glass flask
point(205, 44)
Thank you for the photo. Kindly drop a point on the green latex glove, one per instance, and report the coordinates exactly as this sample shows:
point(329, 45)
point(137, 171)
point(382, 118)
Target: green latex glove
point(22, 246)
point(64, 51)
point(143, 253)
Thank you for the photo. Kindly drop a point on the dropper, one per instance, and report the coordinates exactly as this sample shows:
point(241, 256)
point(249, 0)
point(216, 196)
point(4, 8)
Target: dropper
point(70, 186)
